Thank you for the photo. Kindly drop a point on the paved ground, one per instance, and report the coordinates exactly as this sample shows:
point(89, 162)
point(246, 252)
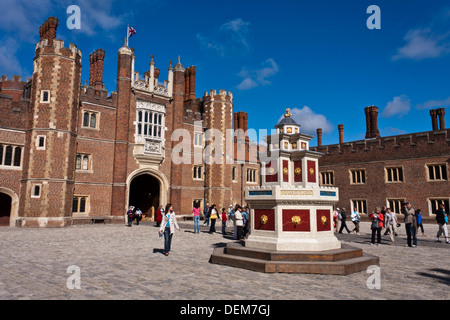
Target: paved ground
point(118, 262)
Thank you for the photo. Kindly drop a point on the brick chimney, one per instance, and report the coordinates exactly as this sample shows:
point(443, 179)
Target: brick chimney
point(441, 114)
point(189, 83)
point(319, 137)
point(96, 68)
point(341, 133)
point(372, 122)
point(48, 30)
point(434, 122)
point(241, 122)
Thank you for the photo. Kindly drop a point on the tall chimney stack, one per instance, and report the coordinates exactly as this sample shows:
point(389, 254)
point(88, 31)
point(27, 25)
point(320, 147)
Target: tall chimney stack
point(96, 68)
point(441, 113)
point(434, 121)
point(341, 133)
point(319, 137)
point(372, 122)
point(48, 30)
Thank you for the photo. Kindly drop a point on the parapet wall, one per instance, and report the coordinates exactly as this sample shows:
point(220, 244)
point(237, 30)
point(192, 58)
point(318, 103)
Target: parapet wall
point(415, 145)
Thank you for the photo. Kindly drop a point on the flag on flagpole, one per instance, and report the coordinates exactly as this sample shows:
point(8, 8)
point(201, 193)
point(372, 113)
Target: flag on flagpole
point(130, 32)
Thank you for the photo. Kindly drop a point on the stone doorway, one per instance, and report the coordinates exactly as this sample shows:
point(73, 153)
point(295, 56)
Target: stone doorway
point(145, 194)
point(5, 209)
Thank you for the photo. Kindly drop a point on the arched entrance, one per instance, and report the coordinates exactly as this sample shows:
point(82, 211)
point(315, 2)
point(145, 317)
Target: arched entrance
point(5, 209)
point(144, 193)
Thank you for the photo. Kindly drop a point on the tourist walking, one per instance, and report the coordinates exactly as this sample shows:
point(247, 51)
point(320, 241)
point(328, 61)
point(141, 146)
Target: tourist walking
point(206, 214)
point(343, 221)
point(239, 222)
point(168, 225)
point(442, 220)
point(213, 215)
point(376, 225)
point(337, 219)
point(420, 222)
point(224, 220)
point(355, 219)
point(138, 215)
point(196, 212)
point(410, 224)
point(391, 224)
point(130, 216)
point(159, 215)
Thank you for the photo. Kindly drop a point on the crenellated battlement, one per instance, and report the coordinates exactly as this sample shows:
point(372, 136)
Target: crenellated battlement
point(222, 96)
point(58, 47)
point(413, 145)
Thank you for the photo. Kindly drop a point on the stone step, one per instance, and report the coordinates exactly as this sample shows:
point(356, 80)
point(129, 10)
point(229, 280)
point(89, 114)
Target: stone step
point(336, 267)
point(346, 252)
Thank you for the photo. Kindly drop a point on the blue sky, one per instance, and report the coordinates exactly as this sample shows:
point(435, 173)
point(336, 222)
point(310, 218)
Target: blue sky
point(316, 57)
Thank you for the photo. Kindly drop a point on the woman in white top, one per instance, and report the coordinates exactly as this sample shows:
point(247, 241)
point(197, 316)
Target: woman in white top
point(168, 225)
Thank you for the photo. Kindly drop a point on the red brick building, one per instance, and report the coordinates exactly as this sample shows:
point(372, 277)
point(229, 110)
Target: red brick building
point(71, 152)
point(387, 171)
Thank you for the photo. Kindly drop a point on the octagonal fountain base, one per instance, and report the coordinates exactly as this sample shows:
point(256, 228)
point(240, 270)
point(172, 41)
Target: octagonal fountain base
point(343, 261)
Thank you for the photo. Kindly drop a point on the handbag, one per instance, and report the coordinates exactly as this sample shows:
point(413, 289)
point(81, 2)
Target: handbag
point(374, 225)
point(214, 214)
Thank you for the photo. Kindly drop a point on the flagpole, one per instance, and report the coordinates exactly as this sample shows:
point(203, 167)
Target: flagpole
point(128, 27)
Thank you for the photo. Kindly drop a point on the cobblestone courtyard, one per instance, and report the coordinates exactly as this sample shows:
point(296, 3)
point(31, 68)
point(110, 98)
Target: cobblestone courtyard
point(118, 262)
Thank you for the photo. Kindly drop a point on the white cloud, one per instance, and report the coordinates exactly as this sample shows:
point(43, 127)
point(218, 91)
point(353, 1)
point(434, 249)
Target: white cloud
point(230, 37)
point(254, 78)
point(9, 64)
point(422, 44)
point(434, 104)
point(399, 106)
point(309, 120)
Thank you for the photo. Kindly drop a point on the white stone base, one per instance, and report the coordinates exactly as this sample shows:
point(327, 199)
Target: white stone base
point(307, 244)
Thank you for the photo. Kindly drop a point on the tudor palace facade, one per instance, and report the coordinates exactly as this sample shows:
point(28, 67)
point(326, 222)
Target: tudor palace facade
point(71, 153)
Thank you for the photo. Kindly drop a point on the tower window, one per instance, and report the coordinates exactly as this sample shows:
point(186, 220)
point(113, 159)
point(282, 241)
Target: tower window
point(45, 96)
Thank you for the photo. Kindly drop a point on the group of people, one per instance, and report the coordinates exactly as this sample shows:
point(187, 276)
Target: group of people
point(381, 218)
point(384, 218)
point(239, 216)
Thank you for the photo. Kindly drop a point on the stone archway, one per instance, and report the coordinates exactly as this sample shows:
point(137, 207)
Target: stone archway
point(147, 190)
point(9, 205)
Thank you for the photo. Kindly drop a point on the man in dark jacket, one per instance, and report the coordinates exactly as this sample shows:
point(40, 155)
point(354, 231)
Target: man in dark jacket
point(442, 220)
point(410, 224)
point(343, 223)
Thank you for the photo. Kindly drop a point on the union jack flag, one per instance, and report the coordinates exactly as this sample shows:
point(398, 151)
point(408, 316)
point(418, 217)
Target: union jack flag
point(131, 31)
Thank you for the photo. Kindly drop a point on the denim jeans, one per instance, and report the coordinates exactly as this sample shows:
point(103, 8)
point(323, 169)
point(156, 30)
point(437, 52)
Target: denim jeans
point(196, 224)
point(411, 233)
point(167, 239)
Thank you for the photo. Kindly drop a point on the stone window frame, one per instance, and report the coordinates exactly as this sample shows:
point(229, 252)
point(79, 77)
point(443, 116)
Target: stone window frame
point(234, 174)
point(197, 173)
point(13, 160)
point(82, 157)
point(43, 92)
point(251, 175)
point(198, 143)
point(33, 190)
point(144, 108)
point(39, 138)
point(330, 178)
point(360, 203)
point(363, 176)
point(399, 171)
point(91, 114)
point(441, 171)
point(86, 204)
point(394, 204)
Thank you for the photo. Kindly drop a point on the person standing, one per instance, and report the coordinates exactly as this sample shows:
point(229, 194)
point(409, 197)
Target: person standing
point(130, 216)
point(337, 219)
point(343, 221)
point(420, 222)
point(239, 222)
point(410, 224)
point(196, 212)
point(168, 225)
point(138, 215)
point(224, 220)
point(377, 224)
point(391, 224)
point(442, 220)
point(159, 215)
point(213, 215)
point(355, 219)
point(206, 214)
